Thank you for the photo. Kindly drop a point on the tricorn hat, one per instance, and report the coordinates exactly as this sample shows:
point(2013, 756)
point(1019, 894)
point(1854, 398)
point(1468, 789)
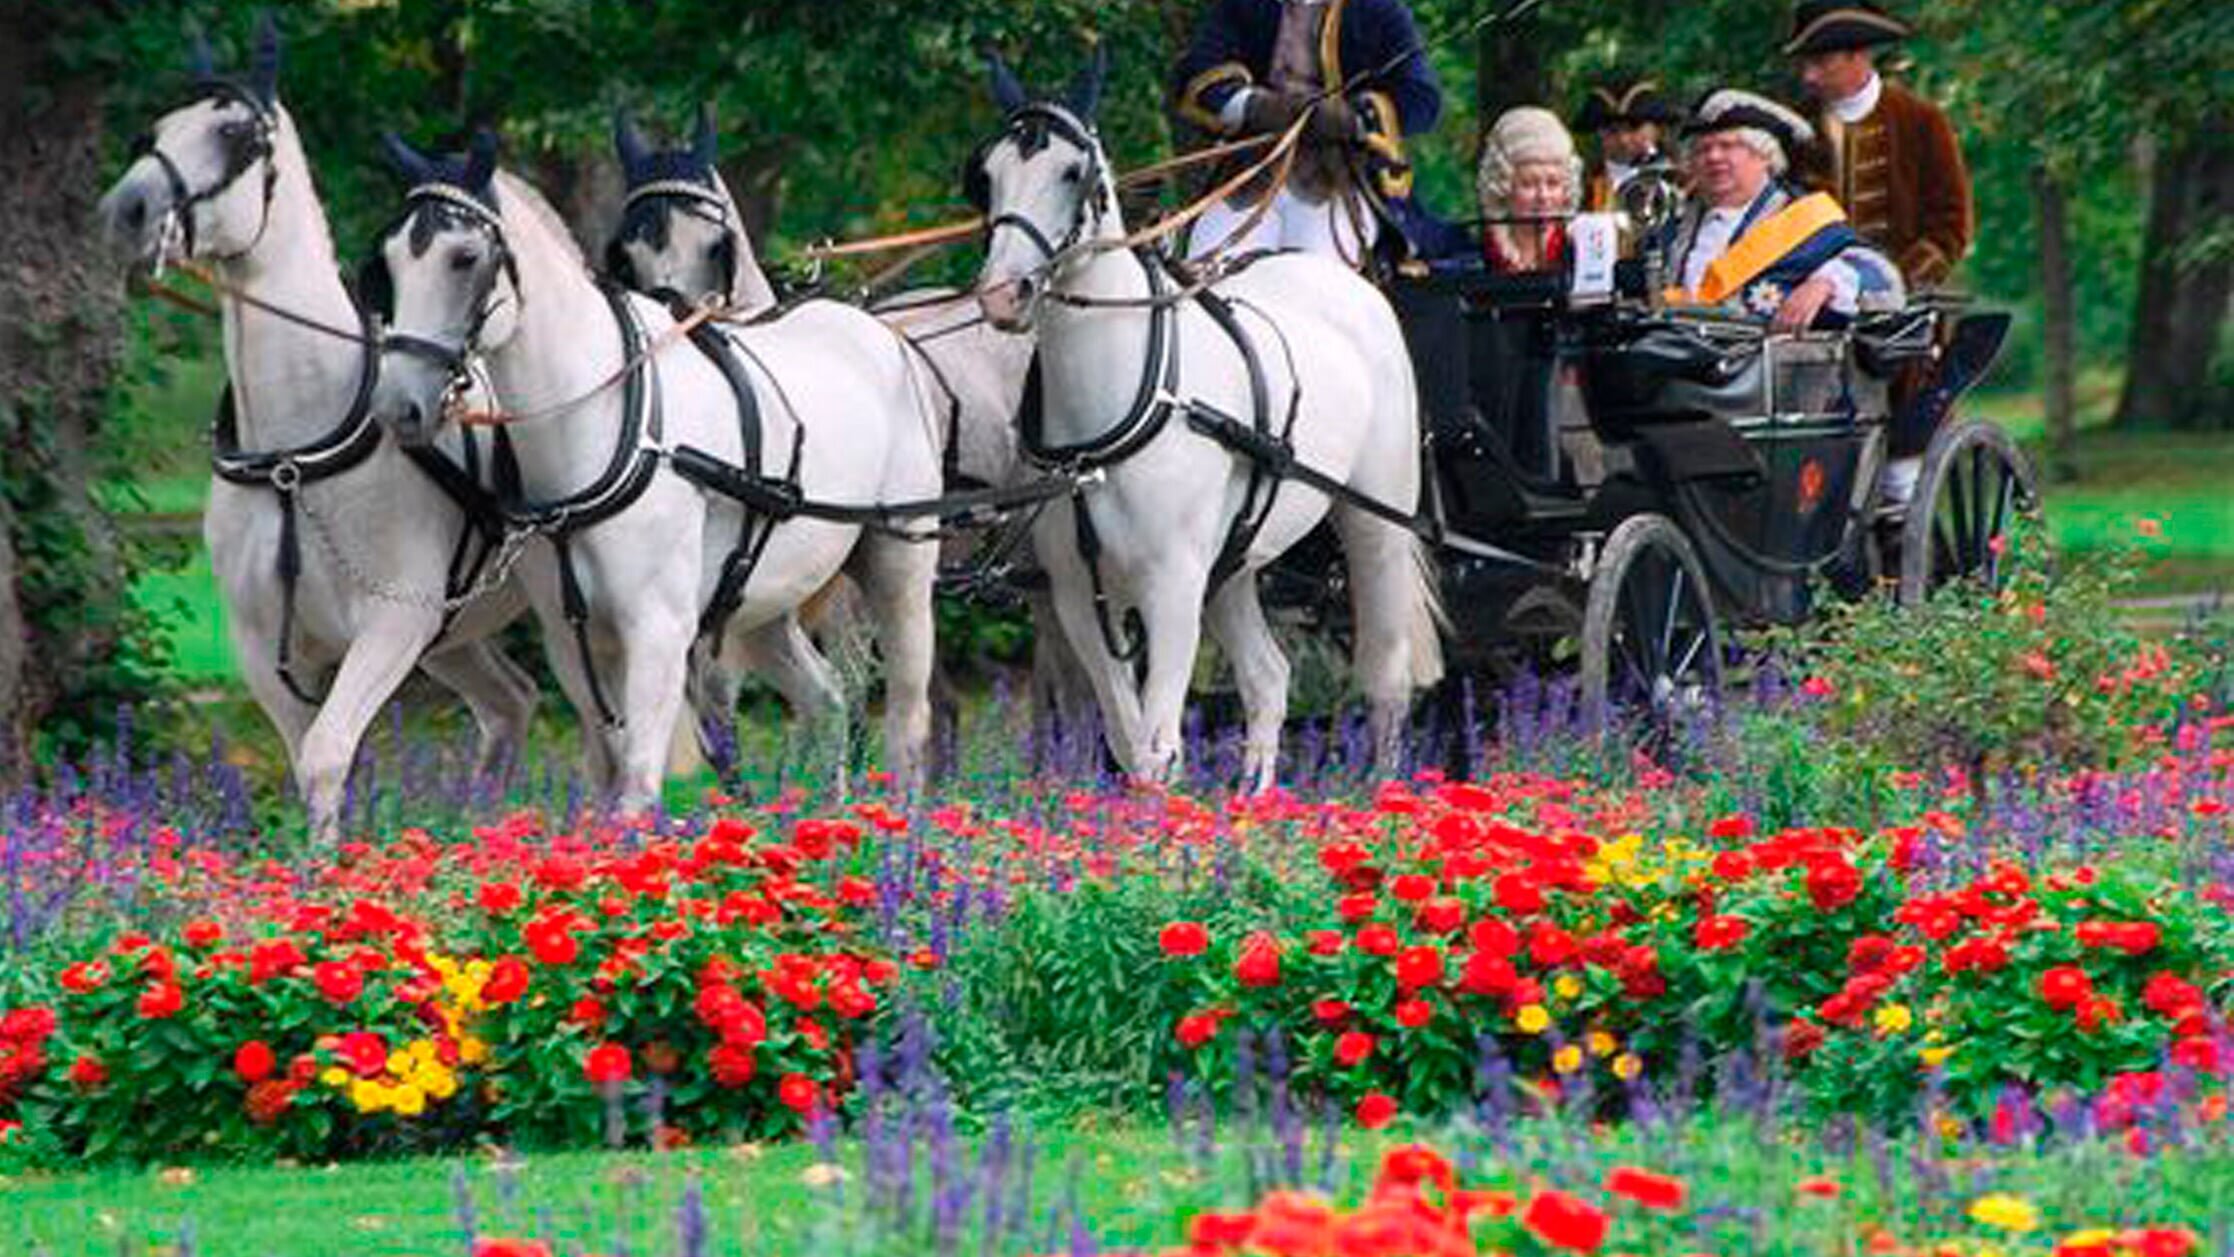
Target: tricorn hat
point(1619, 102)
point(1731, 109)
point(1840, 25)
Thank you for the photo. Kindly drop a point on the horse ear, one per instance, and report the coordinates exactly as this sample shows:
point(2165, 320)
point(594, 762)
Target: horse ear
point(704, 140)
point(1085, 91)
point(199, 58)
point(406, 159)
point(263, 73)
point(480, 160)
point(628, 143)
point(1007, 92)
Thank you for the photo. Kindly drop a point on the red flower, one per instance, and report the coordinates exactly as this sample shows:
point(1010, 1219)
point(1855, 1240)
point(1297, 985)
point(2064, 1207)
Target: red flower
point(1516, 894)
point(508, 980)
point(1379, 939)
point(203, 932)
point(365, 1053)
point(499, 898)
point(1419, 966)
point(1259, 965)
point(2038, 665)
point(340, 983)
point(1565, 1221)
point(254, 1061)
point(268, 1100)
point(1488, 974)
point(1352, 1047)
point(1442, 916)
point(1330, 1012)
point(1196, 1029)
point(2065, 986)
point(1184, 938)
point(1414, 1013)
point(606, 1063)
point(510, 1248)
point(161, 1000)
point(1731, 866)
point(1737, 826)
point(1412, 887)
point(87, 1072)
point(85, 977)
point(732, 1064)
point(1714, 933)
point(798, 1093)
point(1376, 1110)
point(1653, 1191)
point(1832, 883)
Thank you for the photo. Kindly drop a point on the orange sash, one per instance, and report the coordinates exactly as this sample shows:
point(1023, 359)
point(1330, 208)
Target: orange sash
point(1760, 248)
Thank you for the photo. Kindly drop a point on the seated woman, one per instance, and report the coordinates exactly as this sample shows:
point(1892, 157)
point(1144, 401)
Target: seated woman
point(1528, 183)
point(1751, 242)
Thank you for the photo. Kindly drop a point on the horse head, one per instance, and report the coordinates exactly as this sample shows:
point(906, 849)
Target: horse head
point(201, 180)
point(443, 282)
point(679, 234)
point(1042, 184)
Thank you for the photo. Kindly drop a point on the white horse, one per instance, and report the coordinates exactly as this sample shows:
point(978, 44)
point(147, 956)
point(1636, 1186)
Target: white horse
point(680, 233)
point(1328, 345)
point(480, 265)
point(223, 181)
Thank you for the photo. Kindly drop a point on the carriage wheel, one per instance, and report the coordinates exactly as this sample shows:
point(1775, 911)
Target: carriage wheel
point(1649, 638)
point(1974, 486)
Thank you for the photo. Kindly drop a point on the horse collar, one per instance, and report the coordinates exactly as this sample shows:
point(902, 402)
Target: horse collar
point(1153, 400)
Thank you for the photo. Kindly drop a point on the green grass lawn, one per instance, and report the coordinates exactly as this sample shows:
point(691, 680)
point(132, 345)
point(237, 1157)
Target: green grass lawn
point(1134, 1183)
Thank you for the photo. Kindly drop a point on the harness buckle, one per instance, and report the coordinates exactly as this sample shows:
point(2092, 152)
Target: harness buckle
point(286, 475)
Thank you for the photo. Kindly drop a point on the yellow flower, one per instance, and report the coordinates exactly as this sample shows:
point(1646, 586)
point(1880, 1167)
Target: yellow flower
point(1894, 1018)
point(334, 1076)
point(1532, 1019)
point(2092, 1237)
point(1567, 1059)
point(368, 1096)
point(1950, 1127)
point(2004, 1212)
point(472, 1051)
point(1627, 1066)
point(399, 1063)
point(422, 1050)
point(1566, 986)
point(441, 1086)
point(1601, 1043)
point(1934, 1057)
point(410, 1101)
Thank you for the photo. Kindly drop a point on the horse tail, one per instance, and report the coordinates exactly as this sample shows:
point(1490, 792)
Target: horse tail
point(1427, 621)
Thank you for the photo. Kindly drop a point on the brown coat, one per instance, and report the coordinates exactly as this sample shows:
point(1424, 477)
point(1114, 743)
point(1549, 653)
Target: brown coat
point(1899, 172)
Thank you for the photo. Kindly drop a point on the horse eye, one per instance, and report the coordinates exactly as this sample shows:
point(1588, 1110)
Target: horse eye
point(1072, 174)
point(464, 260)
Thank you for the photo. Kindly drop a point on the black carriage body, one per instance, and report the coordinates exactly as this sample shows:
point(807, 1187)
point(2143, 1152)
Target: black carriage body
point(1550, 424)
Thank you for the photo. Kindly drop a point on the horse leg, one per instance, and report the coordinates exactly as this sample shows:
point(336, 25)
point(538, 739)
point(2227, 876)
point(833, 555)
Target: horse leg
point(1062, 692)
point(501, 695)
point(781, 652)
point(1260, 669)
point(654, 656)
point(1385, 600)
point(1171, 611)
point(383, 654)
point(897, 575)
point(257, 654)
point(572, 670)
point(1071, 592)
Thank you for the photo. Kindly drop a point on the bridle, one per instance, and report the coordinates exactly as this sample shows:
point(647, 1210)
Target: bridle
point(1059, 123)
point(700, 201)
point(456, 358)
point(240, 155)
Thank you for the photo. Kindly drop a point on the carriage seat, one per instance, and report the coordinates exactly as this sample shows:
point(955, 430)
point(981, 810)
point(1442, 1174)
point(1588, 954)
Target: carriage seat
point(1884, 343)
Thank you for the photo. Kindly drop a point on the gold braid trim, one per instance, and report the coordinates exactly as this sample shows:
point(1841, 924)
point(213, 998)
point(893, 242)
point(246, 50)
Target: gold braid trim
point(1191, 106)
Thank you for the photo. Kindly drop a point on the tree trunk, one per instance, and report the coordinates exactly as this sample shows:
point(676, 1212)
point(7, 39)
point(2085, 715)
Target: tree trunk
point(60, 342)
point(14, 728)
point(2182, 302)
point(2059, 319)
point(1509, 67)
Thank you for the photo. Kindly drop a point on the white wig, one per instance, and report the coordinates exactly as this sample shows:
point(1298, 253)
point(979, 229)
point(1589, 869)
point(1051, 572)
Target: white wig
point(1521, 136)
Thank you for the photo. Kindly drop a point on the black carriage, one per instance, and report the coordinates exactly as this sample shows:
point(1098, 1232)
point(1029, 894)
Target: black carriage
point(1617, 482)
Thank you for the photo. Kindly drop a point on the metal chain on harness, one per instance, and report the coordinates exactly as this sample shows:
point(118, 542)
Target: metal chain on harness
point(493, 573)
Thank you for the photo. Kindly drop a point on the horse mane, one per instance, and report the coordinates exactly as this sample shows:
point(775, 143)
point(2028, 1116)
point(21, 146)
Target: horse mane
point(513, 189)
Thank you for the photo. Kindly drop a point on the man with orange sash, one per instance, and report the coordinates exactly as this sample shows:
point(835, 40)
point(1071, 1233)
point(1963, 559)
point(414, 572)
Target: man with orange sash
point(1753, 243)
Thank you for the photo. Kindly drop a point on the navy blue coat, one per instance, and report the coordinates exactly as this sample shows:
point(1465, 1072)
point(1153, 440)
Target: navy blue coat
point(1233, 48)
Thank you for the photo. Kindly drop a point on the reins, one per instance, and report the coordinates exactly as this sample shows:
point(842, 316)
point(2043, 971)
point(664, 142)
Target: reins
point(630, 365)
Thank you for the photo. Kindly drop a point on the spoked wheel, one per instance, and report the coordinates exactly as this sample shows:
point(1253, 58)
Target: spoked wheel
point(1649, 637)
point(1974, 486)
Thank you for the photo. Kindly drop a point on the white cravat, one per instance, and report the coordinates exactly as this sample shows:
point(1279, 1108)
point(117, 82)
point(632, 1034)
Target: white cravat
point(1711, 241)
point(1858, 106)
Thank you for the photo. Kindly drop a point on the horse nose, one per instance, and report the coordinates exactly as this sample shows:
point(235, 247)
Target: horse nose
point(1005, 304)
